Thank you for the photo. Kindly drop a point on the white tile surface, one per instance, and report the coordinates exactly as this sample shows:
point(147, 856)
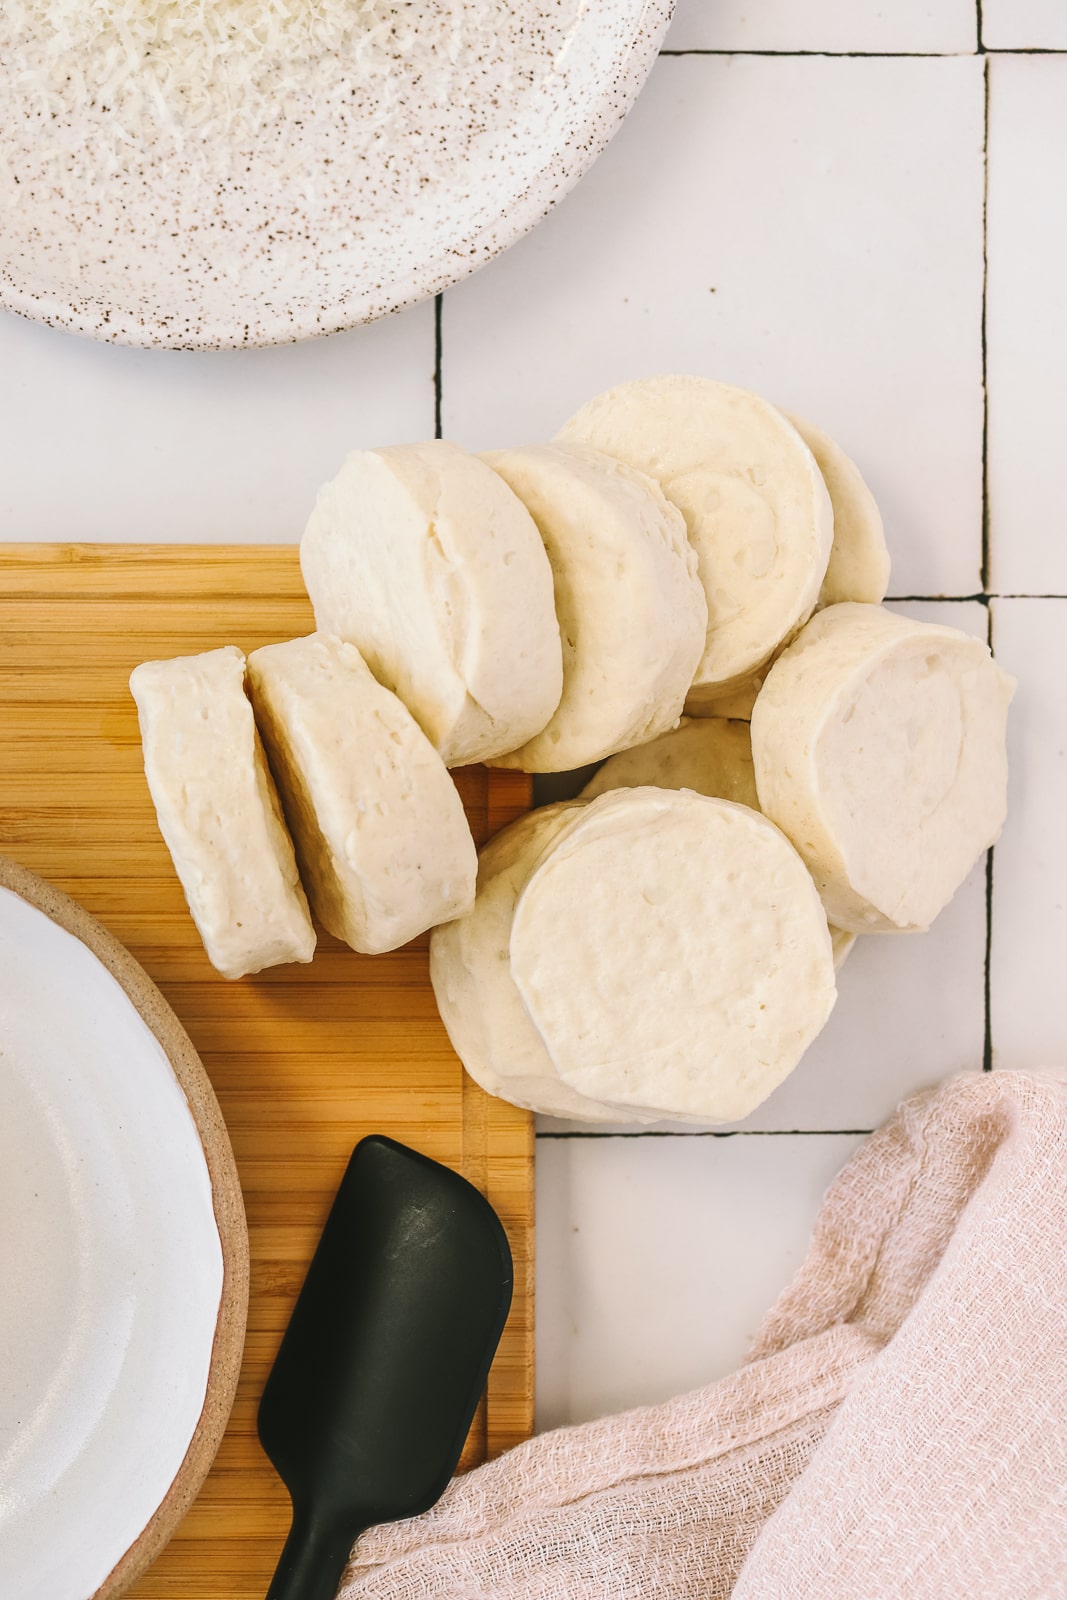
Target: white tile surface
point(103, 443)
point(1024, 24)
point(1027, 322)
point(910, 1011)
point(834, 25)
point(782, 224)
point(1029, 947)
point(658, 1258)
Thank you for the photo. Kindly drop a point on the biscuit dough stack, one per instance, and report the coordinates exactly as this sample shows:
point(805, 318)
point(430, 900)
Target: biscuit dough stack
point(666, 944)
point(653, 953)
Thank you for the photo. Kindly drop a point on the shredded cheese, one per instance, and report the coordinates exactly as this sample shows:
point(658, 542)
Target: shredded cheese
point(203, 67)
point(183, 154)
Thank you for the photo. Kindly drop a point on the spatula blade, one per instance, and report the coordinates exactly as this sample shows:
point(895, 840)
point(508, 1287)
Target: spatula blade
point(379, 1373)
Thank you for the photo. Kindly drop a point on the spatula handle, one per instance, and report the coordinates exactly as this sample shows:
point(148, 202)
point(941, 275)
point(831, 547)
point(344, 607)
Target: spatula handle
point(312, 1560)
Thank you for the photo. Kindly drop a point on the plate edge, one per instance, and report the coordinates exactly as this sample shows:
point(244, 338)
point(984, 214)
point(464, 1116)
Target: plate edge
point(227, 1204)
point(572, 161)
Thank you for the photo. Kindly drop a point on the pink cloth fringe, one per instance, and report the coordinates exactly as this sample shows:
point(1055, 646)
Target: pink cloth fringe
point(899, 1431)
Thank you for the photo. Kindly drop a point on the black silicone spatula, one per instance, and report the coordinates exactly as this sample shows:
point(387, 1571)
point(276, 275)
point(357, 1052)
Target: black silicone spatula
point(374, 1388)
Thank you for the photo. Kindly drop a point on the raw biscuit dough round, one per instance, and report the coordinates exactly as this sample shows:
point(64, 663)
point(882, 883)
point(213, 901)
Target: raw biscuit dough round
point(470, 970)
point(218, 811)
point(673, 954)
point(423, 558)
point(710, 755)
point(858, 568)
point(879, 749)
point(380, 831)
point(631, 607)
point(754, 501)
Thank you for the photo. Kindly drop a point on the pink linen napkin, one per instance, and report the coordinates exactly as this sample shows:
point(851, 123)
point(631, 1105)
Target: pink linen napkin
point(899, 1431)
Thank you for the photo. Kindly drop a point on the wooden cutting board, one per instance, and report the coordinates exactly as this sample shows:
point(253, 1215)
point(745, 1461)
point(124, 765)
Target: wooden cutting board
point(305, 1060)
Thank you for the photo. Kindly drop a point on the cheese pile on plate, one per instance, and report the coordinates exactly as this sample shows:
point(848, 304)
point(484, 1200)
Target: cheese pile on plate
point(665, 945)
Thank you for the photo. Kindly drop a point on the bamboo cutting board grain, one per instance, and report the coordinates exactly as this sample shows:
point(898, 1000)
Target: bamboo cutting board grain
point(304, 1059)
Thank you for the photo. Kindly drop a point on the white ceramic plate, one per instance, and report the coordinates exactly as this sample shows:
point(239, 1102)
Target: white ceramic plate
point(395, 171)
point(111, 1266)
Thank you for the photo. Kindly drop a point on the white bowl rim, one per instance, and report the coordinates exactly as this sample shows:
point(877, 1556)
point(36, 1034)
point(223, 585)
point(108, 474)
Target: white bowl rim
point(148, 1002)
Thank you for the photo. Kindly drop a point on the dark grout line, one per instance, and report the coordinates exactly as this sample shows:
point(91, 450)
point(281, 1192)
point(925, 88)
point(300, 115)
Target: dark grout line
point(885, 55)
point(985, 362)
point(714, 1133)
point(978, 26)
point(936, 599)
point(842, 55)
point(438, 381)
point(987, 1009)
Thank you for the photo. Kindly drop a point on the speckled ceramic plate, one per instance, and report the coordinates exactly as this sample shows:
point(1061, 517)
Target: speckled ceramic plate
point(366, 177)
point(123, 1257)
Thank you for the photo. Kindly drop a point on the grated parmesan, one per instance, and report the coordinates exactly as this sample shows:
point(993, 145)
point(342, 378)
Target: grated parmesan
point(156, 154)
point(209, 67)
point(95, 85)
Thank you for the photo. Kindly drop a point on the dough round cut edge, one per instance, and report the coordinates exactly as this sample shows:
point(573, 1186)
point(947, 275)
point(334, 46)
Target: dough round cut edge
point(710, 755)
point(481, 1009)
point(630, 604)
point(219, 813)
point(381, 836)
point(656, 425)
point(858, 568)
point(423, 558)
point(812, 690)
point(582, 991)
